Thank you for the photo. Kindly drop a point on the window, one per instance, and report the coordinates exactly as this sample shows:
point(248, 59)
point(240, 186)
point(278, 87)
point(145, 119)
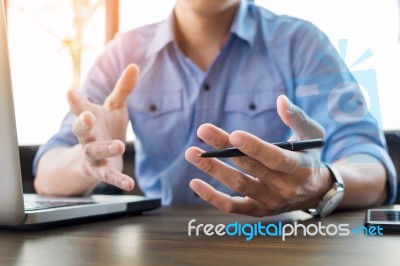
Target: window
point(43, 36)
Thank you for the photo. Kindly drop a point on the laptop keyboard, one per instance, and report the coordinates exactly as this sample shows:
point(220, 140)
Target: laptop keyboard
point(41, 205)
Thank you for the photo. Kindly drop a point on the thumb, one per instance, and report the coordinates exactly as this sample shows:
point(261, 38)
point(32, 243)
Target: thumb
point(125, 84)
point(77, 102)
point(300, 123)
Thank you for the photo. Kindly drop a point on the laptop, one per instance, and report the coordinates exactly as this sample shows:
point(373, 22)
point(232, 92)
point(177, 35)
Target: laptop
point(18, 210)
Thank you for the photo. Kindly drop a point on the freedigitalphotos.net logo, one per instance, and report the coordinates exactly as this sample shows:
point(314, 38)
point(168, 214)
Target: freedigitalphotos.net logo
point(280, 229)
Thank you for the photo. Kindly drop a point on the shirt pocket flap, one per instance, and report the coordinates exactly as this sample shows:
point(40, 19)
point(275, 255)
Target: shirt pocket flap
point(251, 103)
point(157, 104)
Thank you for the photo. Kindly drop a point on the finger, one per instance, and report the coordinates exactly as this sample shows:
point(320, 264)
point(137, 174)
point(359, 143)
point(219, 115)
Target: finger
point(116, 178)
point(225, 202)
point(99, 150)
point(83, 125)
point(213, 136)
point(224, 173)
point(77, 102)
point(125, 84)
point(271, 156)
point(295, 118)
point(219, 139)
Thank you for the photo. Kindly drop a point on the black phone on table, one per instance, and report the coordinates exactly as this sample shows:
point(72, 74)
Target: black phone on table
point(388, 219)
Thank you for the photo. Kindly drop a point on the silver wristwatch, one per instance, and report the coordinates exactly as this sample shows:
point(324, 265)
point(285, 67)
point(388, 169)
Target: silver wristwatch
point(333, 197)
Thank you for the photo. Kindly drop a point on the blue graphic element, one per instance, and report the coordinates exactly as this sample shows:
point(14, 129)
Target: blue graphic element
point(366, 79)
point(348, 104)
point(343, 48)
point(367, 54)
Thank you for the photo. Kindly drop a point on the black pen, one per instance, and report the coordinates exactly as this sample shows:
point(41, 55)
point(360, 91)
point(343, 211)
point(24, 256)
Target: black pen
point(289, 145)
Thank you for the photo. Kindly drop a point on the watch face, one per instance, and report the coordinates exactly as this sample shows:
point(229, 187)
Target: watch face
point(331, 203)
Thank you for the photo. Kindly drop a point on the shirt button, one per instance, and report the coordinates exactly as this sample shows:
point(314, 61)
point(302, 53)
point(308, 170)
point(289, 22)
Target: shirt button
point(252, 106)
point(206, 87)
point(153, 108)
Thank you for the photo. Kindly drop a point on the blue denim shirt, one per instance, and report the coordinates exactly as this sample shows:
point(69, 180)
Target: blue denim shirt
point(264, 55)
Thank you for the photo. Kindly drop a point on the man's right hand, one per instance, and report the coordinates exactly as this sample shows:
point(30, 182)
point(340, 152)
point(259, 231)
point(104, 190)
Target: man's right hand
point(101, 131)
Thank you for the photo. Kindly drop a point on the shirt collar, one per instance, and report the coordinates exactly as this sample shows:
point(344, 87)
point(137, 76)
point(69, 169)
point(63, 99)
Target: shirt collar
point(163, 35)
point(244, 24)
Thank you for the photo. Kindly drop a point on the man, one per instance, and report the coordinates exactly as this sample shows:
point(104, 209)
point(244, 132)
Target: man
point(222, 67)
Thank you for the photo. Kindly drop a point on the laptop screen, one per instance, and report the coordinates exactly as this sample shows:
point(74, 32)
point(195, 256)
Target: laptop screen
point(11, 197)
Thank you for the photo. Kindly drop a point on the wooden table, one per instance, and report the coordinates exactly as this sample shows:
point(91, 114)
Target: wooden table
point(161, 237)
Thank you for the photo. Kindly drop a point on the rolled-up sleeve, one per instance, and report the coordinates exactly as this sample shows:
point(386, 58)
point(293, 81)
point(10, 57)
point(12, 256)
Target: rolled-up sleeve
point(328, 92)
point(64, 138)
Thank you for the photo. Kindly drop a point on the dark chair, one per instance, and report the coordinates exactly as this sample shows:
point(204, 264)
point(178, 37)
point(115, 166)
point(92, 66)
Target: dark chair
point(393, 142)
point(26, 155)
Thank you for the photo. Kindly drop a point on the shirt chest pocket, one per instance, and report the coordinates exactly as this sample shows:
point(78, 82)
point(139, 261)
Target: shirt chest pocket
point(157, 120)
point(250, 103)
point(252, 111)
point(157, 104)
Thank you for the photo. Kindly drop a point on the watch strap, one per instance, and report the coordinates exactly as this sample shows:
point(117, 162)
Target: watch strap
point(327, 199)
